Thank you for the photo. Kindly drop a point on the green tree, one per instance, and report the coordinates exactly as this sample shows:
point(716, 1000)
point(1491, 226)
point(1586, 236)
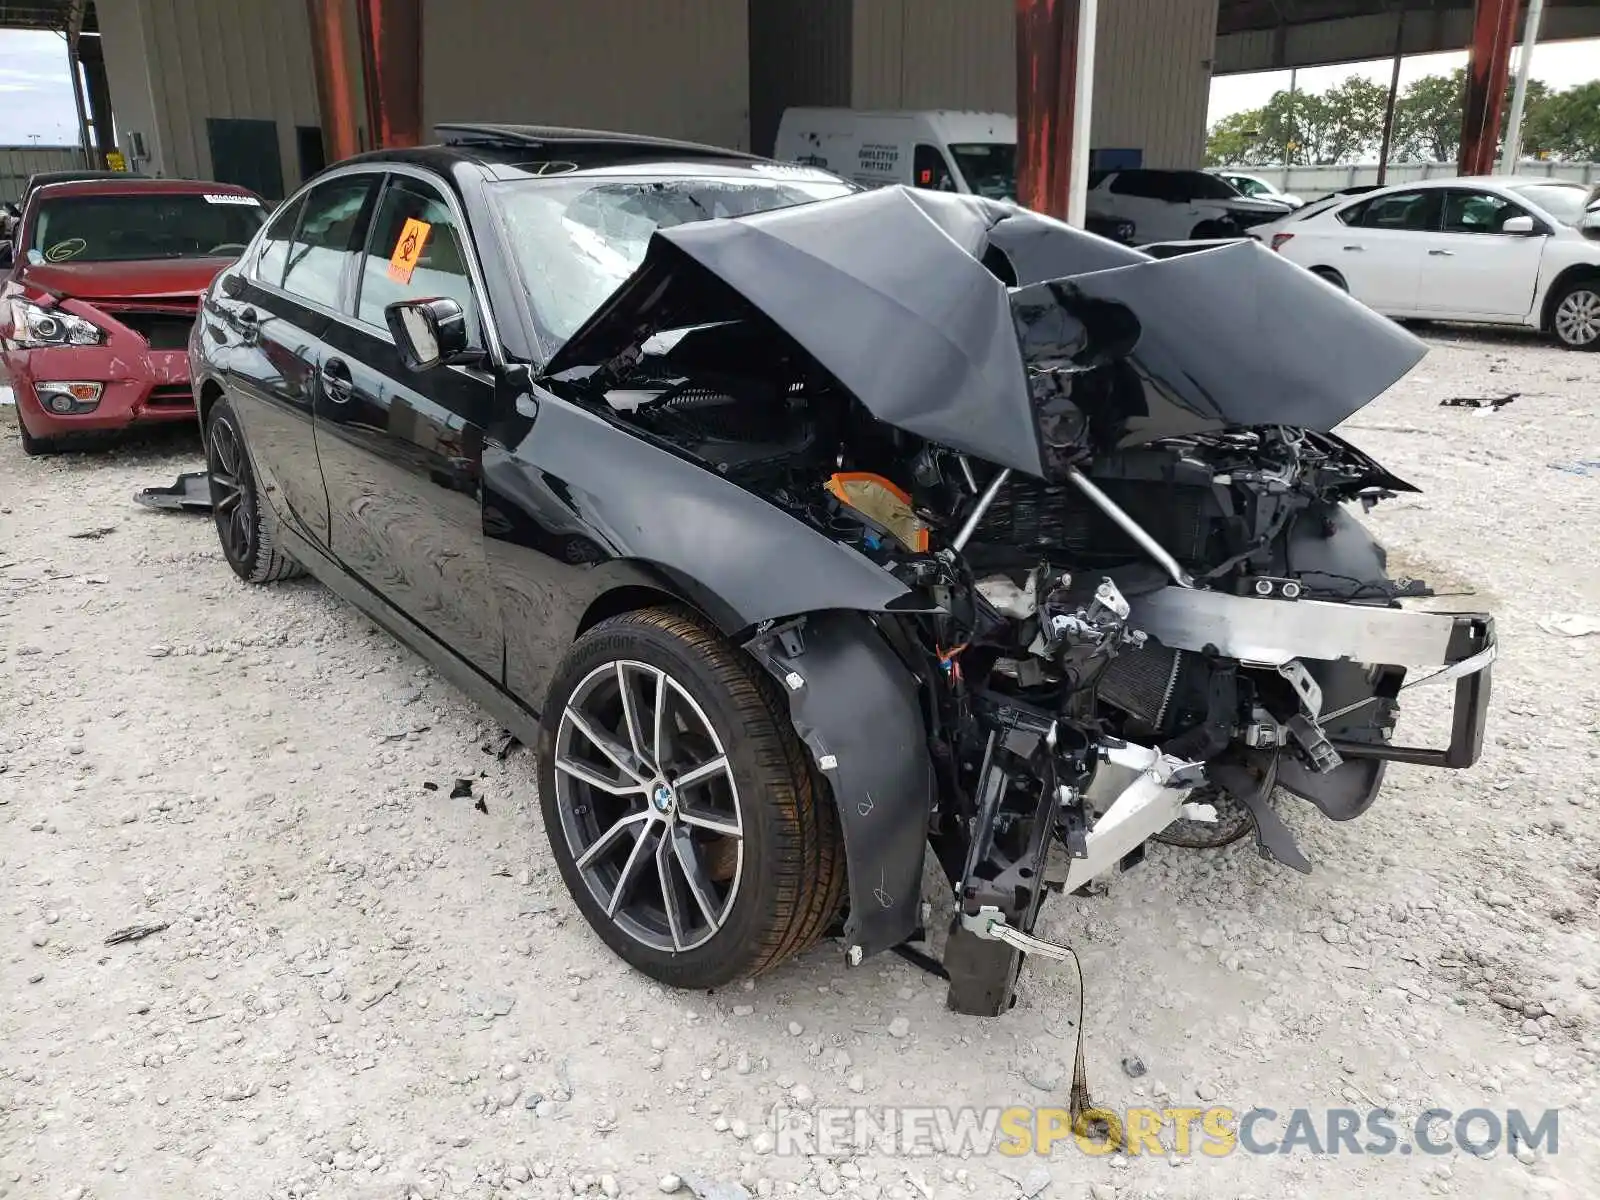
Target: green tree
point(1339, 125)
point(1234, 140)
point(1427, 118)
point(1345, 124)
point(1353, 120)
point(1564, 124)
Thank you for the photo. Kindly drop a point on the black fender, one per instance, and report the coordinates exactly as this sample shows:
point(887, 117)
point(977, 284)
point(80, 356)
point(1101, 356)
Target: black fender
point(576, 508)
point(857, 708)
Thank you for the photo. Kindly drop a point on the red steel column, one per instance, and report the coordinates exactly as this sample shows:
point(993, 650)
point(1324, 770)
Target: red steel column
point(333, 35)
point(1047, 58)
point(1494, 32)
point(391, 53)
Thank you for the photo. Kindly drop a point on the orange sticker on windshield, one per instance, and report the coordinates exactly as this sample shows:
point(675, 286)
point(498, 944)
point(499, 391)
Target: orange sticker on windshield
point(408, 249)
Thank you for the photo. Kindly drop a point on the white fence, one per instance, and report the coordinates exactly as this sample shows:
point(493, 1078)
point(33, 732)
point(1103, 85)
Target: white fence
point(1316, 181)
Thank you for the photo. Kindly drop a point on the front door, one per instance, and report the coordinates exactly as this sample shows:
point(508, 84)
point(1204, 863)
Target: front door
point(402, 452)
point(1470, 268)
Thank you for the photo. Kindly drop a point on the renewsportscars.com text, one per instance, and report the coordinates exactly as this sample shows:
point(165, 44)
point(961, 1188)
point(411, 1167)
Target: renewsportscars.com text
point(1213, 1132)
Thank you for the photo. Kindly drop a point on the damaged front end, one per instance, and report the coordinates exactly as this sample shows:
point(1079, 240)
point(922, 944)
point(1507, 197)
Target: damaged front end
point(1131, 601)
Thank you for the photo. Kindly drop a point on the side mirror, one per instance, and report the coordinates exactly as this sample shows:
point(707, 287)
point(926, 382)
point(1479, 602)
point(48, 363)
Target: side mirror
point(6, 256)
point(430, 333)
point(1524, 225)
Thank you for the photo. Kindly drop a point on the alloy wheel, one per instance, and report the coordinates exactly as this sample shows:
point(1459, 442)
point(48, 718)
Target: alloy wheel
point(648, 805)
point(229, 485)
point(1577, 318)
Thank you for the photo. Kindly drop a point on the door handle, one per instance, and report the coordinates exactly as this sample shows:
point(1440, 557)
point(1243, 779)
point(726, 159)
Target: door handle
point(1442, 253)
point(249, 325)
point(1356, 249)
point(337, 385)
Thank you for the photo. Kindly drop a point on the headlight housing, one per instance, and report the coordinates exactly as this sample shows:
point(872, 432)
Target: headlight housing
point(33, 327)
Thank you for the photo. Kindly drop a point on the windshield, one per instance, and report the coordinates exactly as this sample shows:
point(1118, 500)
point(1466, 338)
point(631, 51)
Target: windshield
point(575, 240)
point(1563, 201)
point(128, 228)
point(990, 168)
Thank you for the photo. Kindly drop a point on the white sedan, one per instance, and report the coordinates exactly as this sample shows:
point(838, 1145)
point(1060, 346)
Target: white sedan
point(1504, 251)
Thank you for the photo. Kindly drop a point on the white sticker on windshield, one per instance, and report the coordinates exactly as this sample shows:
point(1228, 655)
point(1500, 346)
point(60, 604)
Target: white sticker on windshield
point(227, 198)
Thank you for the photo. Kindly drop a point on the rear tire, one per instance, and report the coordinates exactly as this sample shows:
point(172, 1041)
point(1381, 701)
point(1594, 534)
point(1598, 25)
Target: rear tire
point(237, 506)
point(696, 884)
point(1212, 229)
point(1331, 276)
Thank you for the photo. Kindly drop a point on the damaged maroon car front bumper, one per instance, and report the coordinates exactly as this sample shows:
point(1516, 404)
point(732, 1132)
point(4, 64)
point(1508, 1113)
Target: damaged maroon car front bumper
point(138, 375)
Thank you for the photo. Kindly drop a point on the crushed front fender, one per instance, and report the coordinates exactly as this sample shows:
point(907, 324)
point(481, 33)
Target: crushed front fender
point(856, 708)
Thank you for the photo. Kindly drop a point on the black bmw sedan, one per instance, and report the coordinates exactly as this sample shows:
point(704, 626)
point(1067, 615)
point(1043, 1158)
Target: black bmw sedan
point(801, 529)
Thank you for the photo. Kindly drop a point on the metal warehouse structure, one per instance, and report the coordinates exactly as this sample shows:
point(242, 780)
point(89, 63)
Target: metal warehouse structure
point(264, 92)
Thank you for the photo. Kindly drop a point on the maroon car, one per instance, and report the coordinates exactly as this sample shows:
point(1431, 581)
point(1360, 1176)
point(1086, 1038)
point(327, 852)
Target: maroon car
point(100, 292)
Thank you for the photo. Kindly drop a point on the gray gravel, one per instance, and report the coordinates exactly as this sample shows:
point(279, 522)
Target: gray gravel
point(369, 990)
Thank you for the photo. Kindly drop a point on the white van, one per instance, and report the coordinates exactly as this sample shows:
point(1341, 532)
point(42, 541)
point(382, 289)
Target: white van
point(940, 149)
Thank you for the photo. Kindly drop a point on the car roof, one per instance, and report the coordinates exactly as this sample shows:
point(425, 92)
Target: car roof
point(1503, 181)
point(506, 152)
point(41, 178)
point(126, 185)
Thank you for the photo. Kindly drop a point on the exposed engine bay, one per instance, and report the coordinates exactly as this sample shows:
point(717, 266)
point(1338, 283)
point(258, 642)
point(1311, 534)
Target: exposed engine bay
point(1134, 616)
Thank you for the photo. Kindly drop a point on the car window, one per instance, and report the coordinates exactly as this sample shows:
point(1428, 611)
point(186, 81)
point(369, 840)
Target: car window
point(413, 209)
point(329, 237)
point(1137, 183)
point(274, 254)
point(1477, 212)
point(990, 168)
point(1413, 211)
point(930, 169)
point(1198, 185)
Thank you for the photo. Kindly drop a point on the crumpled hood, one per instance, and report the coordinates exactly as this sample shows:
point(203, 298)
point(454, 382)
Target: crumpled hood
point(157, 279)
point(898, 294)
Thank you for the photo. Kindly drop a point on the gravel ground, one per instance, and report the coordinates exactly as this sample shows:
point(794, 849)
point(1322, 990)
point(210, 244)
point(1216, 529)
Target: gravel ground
point(367, 989)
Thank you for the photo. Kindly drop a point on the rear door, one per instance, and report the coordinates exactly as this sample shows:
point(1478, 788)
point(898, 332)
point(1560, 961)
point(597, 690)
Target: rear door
point(1470, 268)
point(1378, 247)
point(1145, 198)
point(275, 318)
point(402, 452)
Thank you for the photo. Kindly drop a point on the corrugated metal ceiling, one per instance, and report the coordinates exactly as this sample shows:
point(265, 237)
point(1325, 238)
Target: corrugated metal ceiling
point(46, 14)
point(1255, 16)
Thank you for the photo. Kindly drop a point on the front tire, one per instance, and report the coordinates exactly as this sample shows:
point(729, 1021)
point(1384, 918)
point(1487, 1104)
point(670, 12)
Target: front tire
point(237, 504)
point(1575, 315)
point(681, 808)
